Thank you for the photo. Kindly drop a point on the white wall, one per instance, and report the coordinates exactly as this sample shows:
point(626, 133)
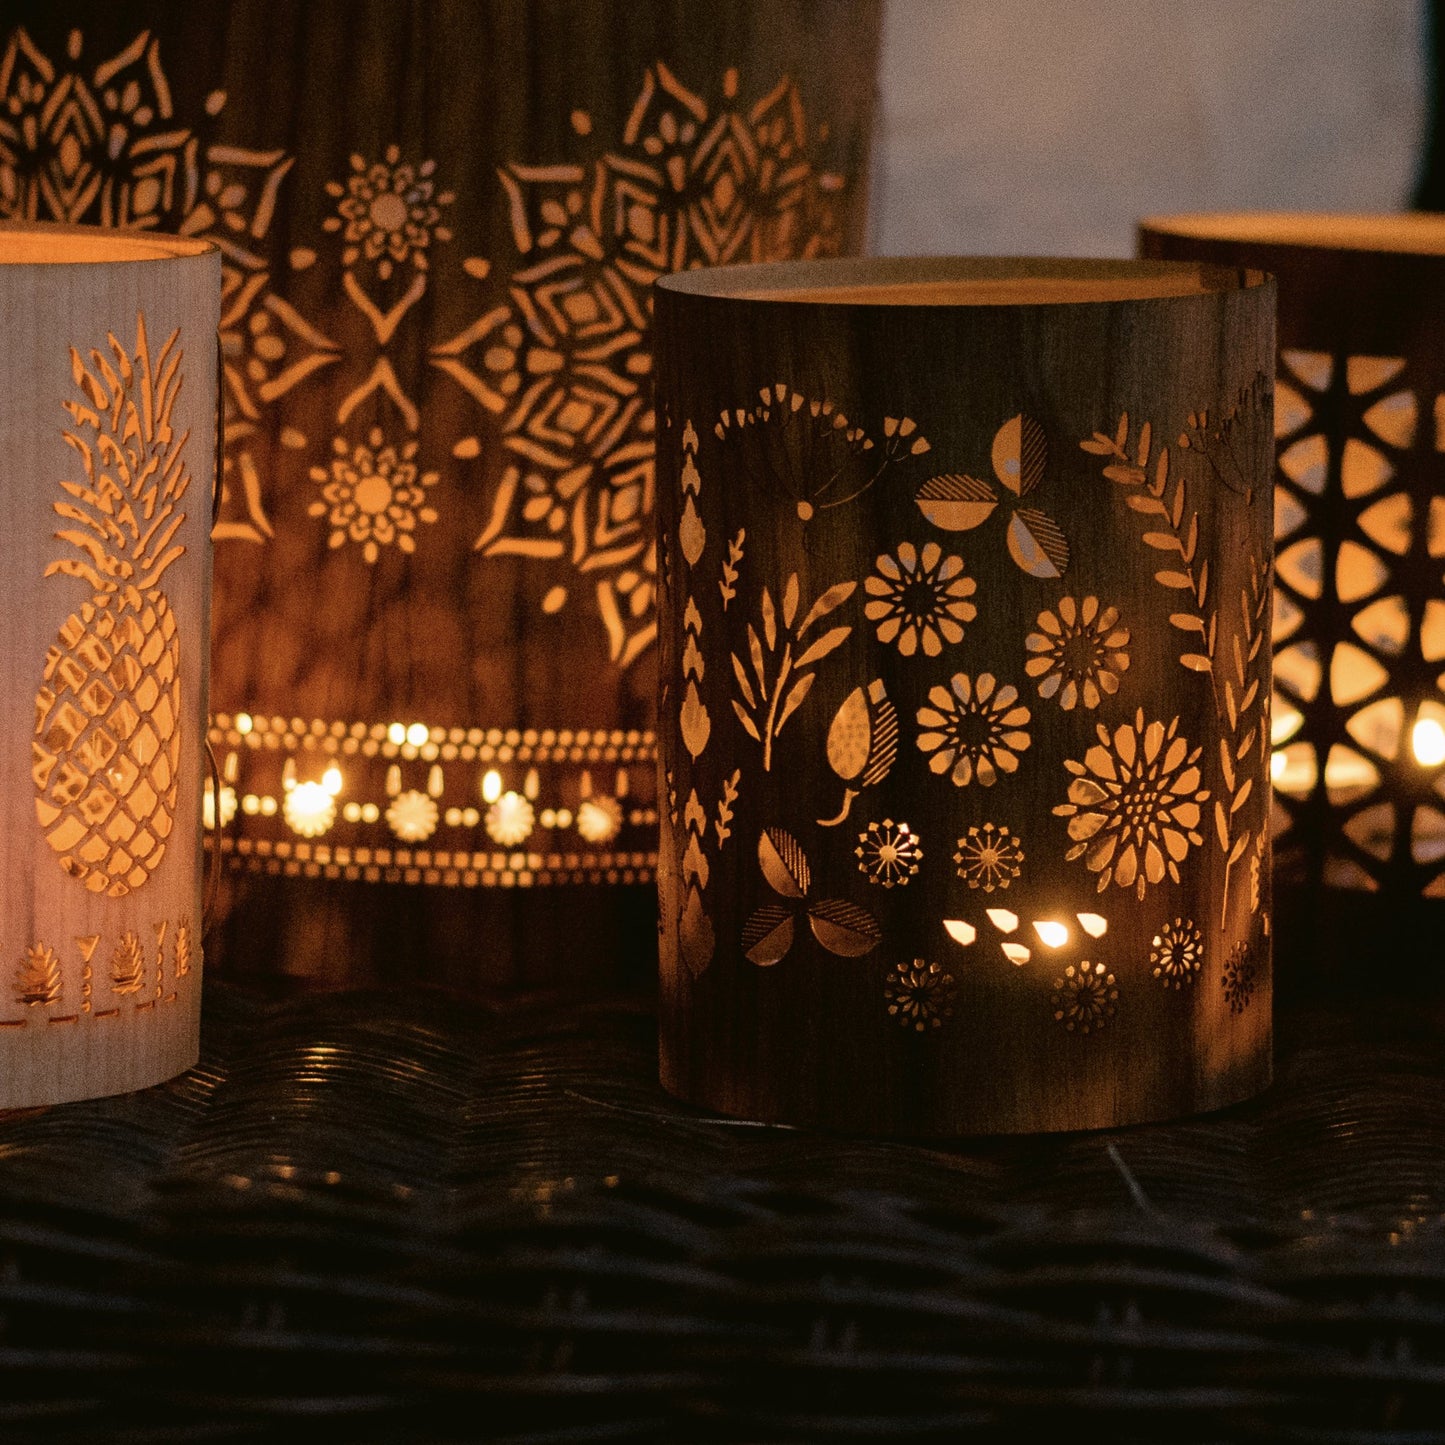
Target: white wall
point(1049, 126)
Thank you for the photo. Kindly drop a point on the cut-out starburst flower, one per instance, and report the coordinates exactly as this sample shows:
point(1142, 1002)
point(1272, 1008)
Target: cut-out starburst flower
point(373, 493)
point(412, 816)
point(919, 599)
point(1135, 804)
point(888, 853)
point(989, 857)
point(1177, 953)
point(510, 820)
point(1241, 973)
point(1085, 997)
point(973, 729)
point(919, 995)
point(1079, 652)
point(388, 211)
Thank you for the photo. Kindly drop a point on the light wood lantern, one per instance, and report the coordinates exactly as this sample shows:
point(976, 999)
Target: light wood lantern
point(965, 664)
point(107, 409)
point(1359, 707)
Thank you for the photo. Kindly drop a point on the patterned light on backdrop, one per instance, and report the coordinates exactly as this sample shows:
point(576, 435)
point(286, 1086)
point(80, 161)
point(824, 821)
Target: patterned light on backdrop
point(965, 681)
point(108, 414)
point(435, 611)
point(1359, 710)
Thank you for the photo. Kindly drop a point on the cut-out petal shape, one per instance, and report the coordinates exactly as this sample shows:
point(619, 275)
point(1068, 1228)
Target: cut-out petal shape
point(959, 931)
point(1301, 566)
point(1354, 675)
point(1002, 919)
point(1373, 829)
point(1056, 935)
point(1384, 625)
point(1314, 368)
point(843, 928)
point(768, 935)
point(1094, 924)
point(1020, 453)
point(1348, 775)
point(783, 863)
point(1379, 727)
point(1307, 463)
point(1358, 572)
point(1370, 373)
point(1390, 522)
point(1393, 419)
point(1363, 469)
point(954, 502)
point(1037, 543)
point(1016, 954)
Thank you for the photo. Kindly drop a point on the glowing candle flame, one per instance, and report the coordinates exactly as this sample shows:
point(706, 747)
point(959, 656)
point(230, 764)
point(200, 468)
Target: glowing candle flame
point(1053, 934)
point(1427, 740)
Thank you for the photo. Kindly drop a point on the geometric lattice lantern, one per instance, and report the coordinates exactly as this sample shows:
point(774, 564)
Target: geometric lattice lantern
point(1359, 627)
point(963, 730)
point(107, 411)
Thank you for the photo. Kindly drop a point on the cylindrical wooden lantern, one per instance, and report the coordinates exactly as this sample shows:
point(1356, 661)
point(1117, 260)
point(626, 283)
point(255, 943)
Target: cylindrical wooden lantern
point(1359, 709)
point(107, 408)
point(435, 577)
point(965, 680)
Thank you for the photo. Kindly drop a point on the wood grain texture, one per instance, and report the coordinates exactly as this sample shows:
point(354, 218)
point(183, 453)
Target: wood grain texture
point(108, 414)
point(440, 222)
point(1360, 581)
point(964, 652)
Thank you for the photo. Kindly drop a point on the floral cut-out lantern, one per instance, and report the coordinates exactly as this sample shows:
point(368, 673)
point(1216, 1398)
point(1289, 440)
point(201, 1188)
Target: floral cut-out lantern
point(107, 473)
point(1358, 727)
point(963, 733)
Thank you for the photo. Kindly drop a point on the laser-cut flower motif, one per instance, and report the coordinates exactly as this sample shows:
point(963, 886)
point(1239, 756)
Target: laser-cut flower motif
point(989, 857)
point(510, 820)
point(1177, 953)
point(973, 730)
point(1241, 973)
point(1080, 652)
point(1134, 804)
point(919, 599)
point(373, 494)
point(888, 853)
point(412, 816)
point(598, 819)
point(389, 210)
point(919, 995)
point(1085, 997)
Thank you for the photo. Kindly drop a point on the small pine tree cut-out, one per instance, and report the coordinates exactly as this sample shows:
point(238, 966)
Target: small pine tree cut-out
point(37, 978)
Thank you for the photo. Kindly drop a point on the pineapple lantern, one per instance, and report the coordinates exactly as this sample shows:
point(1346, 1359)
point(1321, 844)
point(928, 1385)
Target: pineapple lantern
point(106, 480)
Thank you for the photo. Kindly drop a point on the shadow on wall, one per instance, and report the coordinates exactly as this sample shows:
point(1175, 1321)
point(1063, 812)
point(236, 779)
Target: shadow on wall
point(1047, 127)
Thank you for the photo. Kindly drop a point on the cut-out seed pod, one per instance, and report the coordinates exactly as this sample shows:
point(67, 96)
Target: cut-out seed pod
point(954, 502)
point(862, 743)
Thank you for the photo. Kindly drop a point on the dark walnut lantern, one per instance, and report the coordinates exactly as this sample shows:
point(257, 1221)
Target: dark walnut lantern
point(1358, 725)
point(963, 737)
point(434, 613)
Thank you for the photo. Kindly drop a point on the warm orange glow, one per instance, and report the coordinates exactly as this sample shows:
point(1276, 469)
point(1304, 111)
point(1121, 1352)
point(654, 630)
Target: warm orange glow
point(1053, 934)
point(1427, 741)
point(491, 786)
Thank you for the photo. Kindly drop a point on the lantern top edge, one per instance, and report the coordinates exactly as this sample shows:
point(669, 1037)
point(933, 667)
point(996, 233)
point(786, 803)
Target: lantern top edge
point(1403, 233)
point(953, 282)
point(38, 243)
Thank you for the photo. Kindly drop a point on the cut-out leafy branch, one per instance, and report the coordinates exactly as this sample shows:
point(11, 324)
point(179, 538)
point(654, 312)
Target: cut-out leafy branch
point(779, 670)
point(729, 584)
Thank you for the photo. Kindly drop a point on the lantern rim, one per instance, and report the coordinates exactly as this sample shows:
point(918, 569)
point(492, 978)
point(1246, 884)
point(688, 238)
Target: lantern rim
point(1409, 233)
point(42, 243)
point(954, 282)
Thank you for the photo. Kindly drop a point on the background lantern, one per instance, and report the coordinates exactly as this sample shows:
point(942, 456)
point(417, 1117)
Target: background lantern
point(965, 680)
point(108, 415)
point(1359, 708)
point(434, 562)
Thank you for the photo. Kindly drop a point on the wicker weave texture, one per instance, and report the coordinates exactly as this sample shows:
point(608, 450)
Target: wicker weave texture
point(366, 1217)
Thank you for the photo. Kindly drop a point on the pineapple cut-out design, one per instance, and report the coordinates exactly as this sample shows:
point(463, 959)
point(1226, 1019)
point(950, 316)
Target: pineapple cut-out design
point(108, 712)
